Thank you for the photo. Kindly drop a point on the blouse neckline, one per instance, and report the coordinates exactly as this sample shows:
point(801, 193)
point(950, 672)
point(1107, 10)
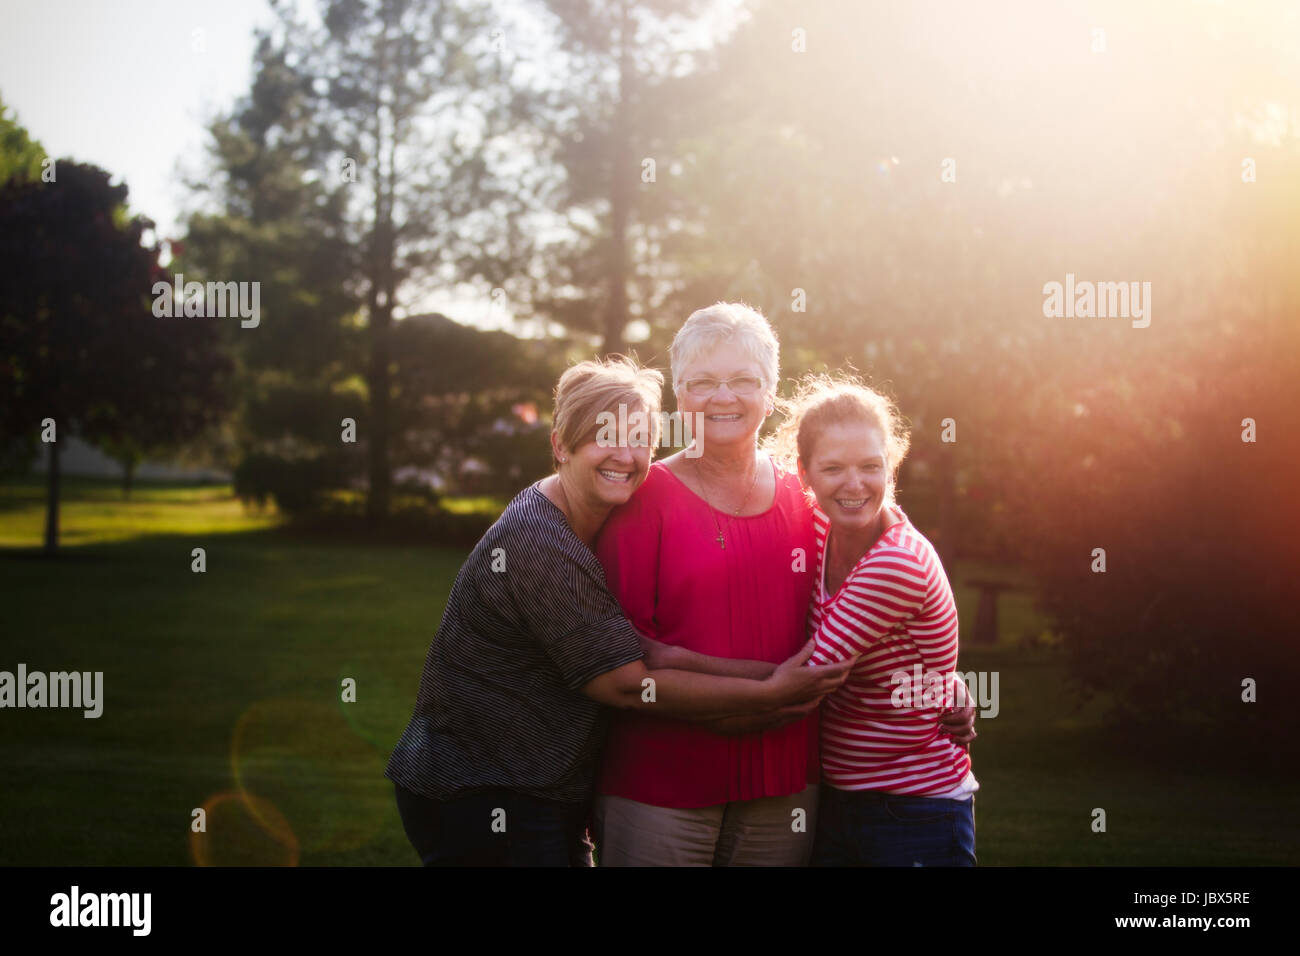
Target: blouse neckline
point(776, 493)
point(535, 487)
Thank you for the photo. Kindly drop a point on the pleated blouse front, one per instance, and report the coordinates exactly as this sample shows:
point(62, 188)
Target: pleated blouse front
point(746, 599)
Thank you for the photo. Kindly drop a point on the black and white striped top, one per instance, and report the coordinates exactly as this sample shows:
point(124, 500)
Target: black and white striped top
point(529, 621)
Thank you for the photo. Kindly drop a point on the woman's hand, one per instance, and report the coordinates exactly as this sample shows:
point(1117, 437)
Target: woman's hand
point(661, 656)
point(793, 683)
point(769, 720)
point(959, 722)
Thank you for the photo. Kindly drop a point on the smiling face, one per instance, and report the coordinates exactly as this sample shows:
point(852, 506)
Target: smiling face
point(730, 417)
point(603, 474)
point(849, 473)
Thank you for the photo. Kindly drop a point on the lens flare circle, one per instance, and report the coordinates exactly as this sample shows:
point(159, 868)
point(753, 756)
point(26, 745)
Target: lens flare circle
point(237, 833)
point(301, 756)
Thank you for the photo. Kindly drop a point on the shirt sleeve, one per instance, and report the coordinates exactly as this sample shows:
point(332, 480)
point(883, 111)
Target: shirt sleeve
point(882, 592)
point(559, 600)
point(628, 548)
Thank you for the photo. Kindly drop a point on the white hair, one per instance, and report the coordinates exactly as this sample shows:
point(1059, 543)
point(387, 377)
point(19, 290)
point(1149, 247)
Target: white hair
point(726, 323)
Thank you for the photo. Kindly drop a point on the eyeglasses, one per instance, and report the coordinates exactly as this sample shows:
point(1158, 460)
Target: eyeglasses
point(744, 385)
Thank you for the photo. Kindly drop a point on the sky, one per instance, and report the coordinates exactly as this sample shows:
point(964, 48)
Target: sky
point(128, 84)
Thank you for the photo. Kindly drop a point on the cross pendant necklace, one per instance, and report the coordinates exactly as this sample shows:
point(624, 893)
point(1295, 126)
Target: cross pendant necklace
point(700, 478)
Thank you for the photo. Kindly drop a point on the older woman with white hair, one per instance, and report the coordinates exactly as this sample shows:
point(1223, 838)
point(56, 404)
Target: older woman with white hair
point(712, 560)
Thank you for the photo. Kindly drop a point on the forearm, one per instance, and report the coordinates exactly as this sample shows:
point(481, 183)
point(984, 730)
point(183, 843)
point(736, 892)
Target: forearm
point(768, 720)
point(679, 658)
point(689, 695)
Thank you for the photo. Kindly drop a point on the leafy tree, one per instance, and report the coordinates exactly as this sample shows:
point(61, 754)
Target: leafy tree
point(80, 345)
point(20, 156)
point(413, 104)
point(613, 118)
point(267, 214)
point(464, 395)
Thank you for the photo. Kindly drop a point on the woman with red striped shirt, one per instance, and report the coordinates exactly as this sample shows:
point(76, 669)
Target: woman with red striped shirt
point(897, 791)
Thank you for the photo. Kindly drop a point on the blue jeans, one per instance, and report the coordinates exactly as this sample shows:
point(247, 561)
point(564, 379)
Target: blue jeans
point(870, 828)
point(460, 831)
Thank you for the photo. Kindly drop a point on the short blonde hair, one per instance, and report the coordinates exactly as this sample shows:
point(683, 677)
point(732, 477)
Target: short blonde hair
point(721, 323)
point(589, 388)
point(823, 400)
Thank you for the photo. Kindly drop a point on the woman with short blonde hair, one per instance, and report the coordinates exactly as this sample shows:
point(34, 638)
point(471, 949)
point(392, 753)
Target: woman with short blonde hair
point(588, 390)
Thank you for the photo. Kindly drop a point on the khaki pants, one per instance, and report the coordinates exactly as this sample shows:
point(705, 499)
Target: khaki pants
point(763, 832)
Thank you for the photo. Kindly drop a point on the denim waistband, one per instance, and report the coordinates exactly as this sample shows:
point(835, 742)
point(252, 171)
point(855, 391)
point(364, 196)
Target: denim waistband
point(881, 796)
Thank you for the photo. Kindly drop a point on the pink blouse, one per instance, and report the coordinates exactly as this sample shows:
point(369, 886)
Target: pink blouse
point(748, 599)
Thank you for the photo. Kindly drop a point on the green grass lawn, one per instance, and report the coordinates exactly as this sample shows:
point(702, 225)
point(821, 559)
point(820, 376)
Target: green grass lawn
point(228, 682)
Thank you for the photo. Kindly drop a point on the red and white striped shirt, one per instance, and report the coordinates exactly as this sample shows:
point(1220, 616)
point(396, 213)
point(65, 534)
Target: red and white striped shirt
point(893, 613)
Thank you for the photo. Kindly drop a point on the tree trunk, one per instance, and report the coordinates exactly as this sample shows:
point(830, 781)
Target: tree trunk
point(52, 500)
point(381, 293)
point(381, 318)
point(621, 194)
point(379, 379)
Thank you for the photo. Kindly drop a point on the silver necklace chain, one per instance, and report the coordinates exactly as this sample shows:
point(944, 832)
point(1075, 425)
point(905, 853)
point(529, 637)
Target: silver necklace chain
point(713, 511)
